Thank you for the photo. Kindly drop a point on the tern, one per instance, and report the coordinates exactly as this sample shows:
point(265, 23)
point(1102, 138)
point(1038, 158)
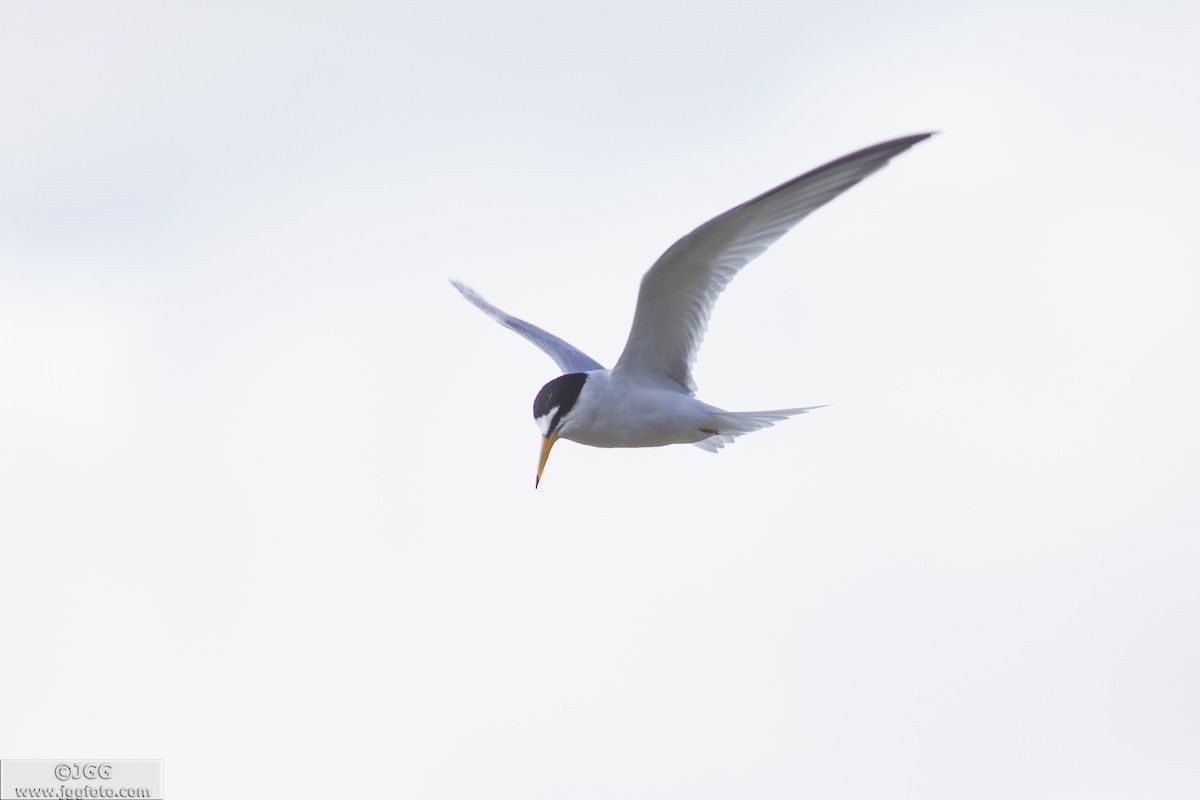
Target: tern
point(648, 398)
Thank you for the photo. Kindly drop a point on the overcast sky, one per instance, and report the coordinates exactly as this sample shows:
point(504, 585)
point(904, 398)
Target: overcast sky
point(266, 481)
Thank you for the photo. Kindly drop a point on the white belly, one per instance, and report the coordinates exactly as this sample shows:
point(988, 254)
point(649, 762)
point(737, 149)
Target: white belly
point(617, 414)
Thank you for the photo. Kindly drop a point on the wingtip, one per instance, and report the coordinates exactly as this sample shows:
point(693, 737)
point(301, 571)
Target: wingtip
point(915, 138)
point(884, 152)
point(463, 289)
point(902, 143)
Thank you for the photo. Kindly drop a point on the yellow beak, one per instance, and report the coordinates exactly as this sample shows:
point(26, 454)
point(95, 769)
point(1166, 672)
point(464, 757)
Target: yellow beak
point(547, 443)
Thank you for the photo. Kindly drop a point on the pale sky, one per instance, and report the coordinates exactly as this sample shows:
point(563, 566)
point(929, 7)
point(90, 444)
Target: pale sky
point(266, 480)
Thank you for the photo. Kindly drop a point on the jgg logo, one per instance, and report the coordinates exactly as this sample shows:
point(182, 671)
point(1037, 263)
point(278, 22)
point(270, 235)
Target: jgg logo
point(88, 772)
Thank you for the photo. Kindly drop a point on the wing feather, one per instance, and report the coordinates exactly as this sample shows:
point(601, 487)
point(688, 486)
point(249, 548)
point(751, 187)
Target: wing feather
point(568, 358)
point(678, 293)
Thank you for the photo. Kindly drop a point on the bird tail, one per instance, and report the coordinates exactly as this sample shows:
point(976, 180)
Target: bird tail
point(731, 424)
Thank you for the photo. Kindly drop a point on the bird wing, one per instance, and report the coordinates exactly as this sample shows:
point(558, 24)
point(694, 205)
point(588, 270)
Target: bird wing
point(678, 293)
point(568, 358)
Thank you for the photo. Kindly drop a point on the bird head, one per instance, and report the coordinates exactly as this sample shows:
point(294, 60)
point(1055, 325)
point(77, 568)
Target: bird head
point(551, 408)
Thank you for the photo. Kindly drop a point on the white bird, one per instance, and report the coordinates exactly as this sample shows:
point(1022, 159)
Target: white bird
point(648, 398)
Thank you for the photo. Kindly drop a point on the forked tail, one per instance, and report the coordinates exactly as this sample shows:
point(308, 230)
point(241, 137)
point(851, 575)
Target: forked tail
point(732, 424)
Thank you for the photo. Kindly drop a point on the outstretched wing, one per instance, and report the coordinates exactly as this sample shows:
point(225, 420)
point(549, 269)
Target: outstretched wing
point(568, 358)
point(678, 293)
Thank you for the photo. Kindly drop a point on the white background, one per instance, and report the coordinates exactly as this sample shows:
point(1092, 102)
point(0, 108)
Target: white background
point(266, 480)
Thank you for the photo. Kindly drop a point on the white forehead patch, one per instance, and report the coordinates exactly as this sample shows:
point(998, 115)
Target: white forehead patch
point(543, 422)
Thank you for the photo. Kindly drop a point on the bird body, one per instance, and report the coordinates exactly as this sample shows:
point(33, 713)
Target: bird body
point(647, 399)
point(614, 409)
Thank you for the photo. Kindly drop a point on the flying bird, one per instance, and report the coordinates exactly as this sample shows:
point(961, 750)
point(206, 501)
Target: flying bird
point(647, 399)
